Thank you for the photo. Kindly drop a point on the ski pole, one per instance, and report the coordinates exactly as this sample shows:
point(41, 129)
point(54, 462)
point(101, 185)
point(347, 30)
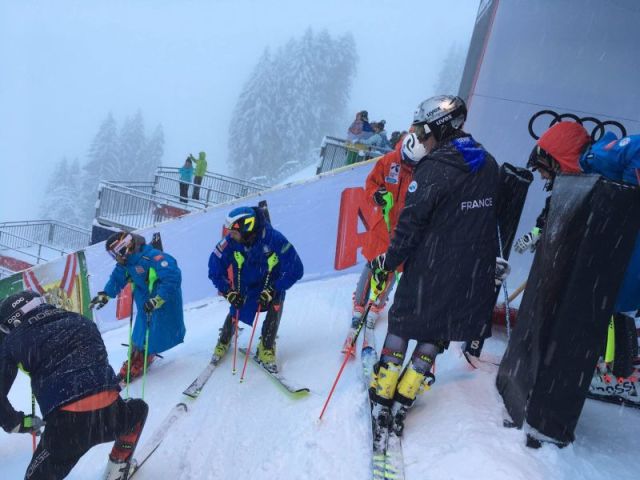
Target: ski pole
point(235, 341)
point(146, 353)
point(130, 343)
point(253, 330)
point(347, 354)
point(33, 414)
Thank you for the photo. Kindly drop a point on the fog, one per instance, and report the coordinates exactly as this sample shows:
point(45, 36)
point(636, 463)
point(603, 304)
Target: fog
point(67, 64)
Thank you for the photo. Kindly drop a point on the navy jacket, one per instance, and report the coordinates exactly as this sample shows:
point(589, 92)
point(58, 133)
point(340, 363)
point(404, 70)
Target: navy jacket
point(63, 353)
point(447, 237)
point(252, 276)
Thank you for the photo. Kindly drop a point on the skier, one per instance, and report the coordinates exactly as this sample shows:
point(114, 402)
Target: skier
point(156, 283)
point(447, 238)
point(386, 188)
point(567, 147)
point(263, 266)
point(73, 383)
point(200, 172)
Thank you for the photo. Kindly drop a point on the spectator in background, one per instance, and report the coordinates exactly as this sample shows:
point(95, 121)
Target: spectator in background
point(379, 138)
point(201, 170)
point(395, 138)
point(360, 129)
point(186, 177)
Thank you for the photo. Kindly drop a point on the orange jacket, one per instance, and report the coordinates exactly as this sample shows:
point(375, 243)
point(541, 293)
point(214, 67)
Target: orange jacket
point(394, 174)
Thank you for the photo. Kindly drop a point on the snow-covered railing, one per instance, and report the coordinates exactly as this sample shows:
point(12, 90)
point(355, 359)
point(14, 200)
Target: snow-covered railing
point(45, 232)
point(336, 153)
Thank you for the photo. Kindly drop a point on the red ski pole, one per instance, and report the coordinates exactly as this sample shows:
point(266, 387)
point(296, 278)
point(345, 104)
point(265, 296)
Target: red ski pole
point(253, 330)
point(347, 355)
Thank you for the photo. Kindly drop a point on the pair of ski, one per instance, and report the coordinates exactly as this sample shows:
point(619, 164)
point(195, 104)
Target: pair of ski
point(387, 462)
point(180, 409)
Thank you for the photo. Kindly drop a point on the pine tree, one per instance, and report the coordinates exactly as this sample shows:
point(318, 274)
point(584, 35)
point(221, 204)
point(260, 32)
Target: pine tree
point(291, 100)
point(131, 155)
point(60, 202)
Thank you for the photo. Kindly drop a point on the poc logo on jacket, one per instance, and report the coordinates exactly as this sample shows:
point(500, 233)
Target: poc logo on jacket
point(479, 203)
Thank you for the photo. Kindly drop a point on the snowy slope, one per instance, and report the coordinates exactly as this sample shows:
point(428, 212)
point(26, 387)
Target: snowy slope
point(252, 430)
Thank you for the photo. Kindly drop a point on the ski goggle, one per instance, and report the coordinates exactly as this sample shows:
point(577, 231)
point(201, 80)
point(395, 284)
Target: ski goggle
point(422, 131)
point(120, 248)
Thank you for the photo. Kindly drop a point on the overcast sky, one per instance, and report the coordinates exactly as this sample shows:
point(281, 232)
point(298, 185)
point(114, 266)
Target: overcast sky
point(65, 64)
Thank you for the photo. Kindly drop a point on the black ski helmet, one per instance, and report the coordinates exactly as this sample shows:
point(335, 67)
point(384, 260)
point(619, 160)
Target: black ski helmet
point(15, 307)
point(442, 116)
point(247, 221)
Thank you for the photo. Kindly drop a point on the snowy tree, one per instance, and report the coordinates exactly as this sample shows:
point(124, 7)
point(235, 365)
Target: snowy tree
point(450, 74)
point(291, 100)
point(62, 192)
point(132, 150)
point(153, 150)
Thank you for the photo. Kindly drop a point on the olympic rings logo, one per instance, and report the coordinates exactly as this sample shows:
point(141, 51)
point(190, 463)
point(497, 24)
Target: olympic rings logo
point(597, 130)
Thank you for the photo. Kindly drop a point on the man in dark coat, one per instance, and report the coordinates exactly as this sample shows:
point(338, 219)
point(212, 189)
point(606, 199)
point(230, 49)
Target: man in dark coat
point(447, 237)
point(76, 388)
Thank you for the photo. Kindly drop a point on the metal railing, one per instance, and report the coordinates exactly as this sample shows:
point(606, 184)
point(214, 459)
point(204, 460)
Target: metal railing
point(47, 233)
point(215, 188)
point(337, 152)
point(37, 252)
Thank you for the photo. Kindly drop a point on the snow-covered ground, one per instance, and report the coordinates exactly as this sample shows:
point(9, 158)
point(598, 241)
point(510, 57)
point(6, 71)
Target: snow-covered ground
point(252, 430)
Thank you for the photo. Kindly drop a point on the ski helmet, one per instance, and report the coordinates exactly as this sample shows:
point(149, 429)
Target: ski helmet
point(412, 150)
point(244, 220)
point(15, 307)
point(119, 245)
point(441, 116)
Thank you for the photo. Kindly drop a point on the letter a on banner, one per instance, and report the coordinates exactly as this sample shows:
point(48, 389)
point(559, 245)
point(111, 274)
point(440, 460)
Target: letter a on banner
point(353, 206)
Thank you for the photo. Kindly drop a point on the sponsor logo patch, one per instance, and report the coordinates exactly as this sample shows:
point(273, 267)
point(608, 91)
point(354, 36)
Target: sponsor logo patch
point(157, 258)
point(413, 186)
point(164, 263)
point(139, 269)
point(624, 142)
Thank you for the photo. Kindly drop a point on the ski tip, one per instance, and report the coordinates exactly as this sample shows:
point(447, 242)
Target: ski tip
point(183, 406)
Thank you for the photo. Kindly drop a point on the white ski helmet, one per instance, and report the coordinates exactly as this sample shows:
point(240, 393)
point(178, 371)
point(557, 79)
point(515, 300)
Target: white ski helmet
point(441, 115)
point(412, 150)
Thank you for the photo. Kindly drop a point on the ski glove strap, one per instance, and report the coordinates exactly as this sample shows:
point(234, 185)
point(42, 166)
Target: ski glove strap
point(29, 424)
point(234, 298)
point(99, 301)
point(153, 304)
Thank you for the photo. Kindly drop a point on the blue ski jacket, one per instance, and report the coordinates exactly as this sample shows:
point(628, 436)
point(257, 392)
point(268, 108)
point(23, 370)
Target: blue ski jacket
point(64, 355)
point(153, 273)
point(250, 271)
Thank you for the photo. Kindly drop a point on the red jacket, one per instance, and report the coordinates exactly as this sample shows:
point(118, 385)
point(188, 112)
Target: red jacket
point(394, 174)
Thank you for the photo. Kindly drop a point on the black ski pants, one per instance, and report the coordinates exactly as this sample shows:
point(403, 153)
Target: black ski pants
point(69, 435)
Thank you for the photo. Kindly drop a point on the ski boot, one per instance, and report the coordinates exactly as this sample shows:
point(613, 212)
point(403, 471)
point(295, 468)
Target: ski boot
point(219, 351)
point(121, 457)
point(137, 365)
point(267, 357)
point(411, 384)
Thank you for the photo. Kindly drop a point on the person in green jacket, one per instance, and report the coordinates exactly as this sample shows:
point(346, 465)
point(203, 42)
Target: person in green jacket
point(201, 169)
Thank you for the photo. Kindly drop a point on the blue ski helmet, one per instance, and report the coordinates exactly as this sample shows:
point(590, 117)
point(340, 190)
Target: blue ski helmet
point(246, 221)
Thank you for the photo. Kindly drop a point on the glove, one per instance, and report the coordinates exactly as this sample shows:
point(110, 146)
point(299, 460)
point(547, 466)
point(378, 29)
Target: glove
point(153, 304)
point(29, 424)
point(378, 197)
point(99, 301)
point(380, 273)
point(528, 241)
point(502, 270)
point(266, 297)
point(234, 298)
